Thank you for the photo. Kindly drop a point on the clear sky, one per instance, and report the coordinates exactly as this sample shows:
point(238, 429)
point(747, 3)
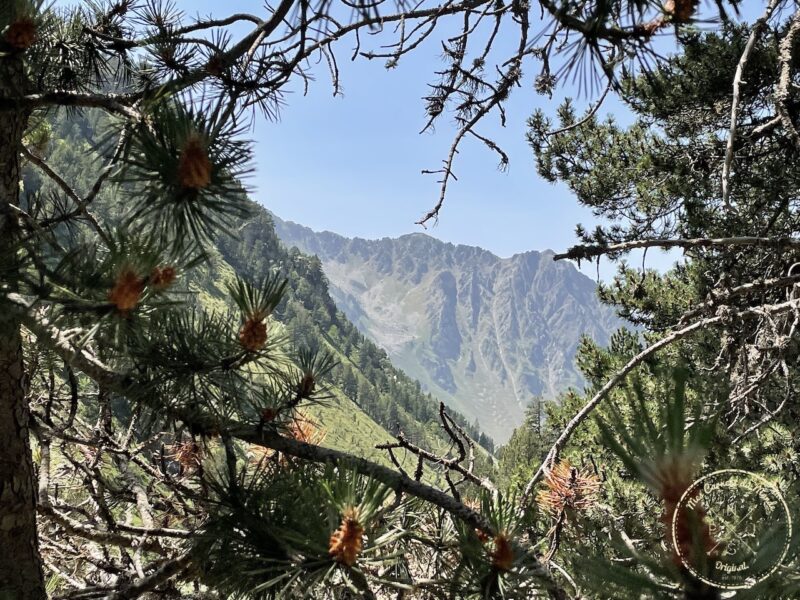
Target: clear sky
point(352, 164)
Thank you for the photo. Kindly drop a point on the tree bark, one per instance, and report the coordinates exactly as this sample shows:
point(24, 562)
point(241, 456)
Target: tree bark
point(21, 576)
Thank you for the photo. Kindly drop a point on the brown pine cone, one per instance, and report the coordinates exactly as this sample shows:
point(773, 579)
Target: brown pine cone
point(127, 290)
point(253, 335)
point(681, 11)
point(162, 277)
point(21, 34)
point(346, 542)
point(194, 167)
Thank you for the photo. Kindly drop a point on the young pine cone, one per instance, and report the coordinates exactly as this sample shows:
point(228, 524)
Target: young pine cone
point(253, 334)
point(503, 553)
point(194, 167)
point(21, 34)
point(346, 542)
point(162, 277)
point(127, 290)
point(681, 11)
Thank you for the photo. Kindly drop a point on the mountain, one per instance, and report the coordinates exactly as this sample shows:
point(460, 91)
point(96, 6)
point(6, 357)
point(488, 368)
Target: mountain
point(485, 334)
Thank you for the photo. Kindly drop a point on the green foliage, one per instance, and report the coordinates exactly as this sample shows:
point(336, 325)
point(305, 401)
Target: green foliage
point(186, 172)
point(258, 301)
point(499, 566)
point(519, 458)
point(649, 444)
point(271, 536)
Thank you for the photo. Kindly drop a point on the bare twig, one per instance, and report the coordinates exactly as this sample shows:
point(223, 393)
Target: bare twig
point(582, 252)
point(592, 112)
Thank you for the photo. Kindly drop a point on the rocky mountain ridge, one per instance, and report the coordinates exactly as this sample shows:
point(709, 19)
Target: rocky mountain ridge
point(485, 334)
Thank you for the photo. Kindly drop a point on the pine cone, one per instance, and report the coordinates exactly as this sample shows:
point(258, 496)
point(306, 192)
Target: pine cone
point(681, 11)
point(253, 335)
point(162, 277)
point(194, 167)
point(307, 385)
point(346, 542)
point(127, 290)
point(675, 11)
point(503, 554)
point(21, 34)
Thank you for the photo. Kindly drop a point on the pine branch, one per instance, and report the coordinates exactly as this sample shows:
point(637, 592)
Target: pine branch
point(591, 113)
point(587, 251)
point(83, 360)
point(89, 532)
point(259, 435)
point(723, 317)
point(758, 28)
point(270, 438)
point(81, 204)
point(79, 358)
point(785, 80)
point(165, 572)
point(135, 588)
point(264, 29)
point(121, 104)
point(740, 290)
point(451, 464)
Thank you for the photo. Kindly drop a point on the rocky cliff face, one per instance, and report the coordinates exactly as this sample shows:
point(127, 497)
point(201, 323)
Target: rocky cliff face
point(483, 333)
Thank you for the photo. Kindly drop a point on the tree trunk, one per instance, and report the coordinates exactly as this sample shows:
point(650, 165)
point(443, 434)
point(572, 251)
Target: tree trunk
point(21, 575)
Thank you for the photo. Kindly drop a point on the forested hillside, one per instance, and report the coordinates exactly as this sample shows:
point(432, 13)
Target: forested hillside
point(363, 375)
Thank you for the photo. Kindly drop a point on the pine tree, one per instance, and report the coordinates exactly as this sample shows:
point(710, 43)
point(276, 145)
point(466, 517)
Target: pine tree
point(199, 470)
point(725, 316)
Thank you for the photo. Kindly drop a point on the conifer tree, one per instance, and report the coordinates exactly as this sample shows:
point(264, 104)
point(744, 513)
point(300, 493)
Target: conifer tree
point(708, 168)
point(194, 468)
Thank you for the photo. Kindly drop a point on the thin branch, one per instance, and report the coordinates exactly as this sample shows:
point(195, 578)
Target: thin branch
point(452, 464)
point(592, 112)
point(785, 80)
point(270, 438)
point(741, 290)
point(97, 535)
point(758, 28)
point(583, 252)
point(116, 103)
point(164, 573)
point(265, 28)
point(65, 187)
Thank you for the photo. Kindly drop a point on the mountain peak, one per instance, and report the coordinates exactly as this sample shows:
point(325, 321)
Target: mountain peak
point(484, 334)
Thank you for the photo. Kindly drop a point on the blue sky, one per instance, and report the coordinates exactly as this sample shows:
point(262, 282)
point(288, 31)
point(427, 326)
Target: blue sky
point(352, 164)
